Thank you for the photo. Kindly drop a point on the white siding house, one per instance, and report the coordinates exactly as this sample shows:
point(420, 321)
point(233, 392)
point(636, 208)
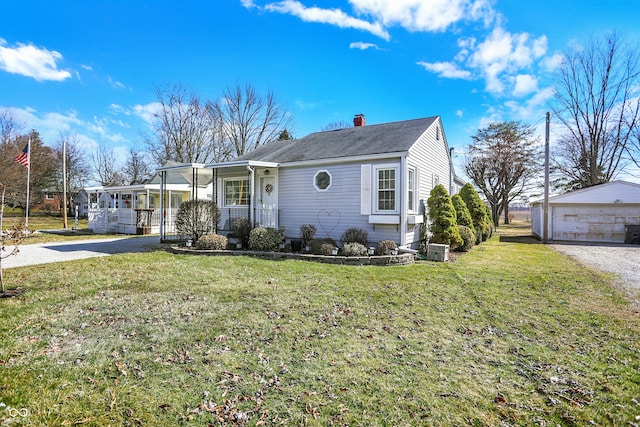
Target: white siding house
point(374, 177)
point(602, 213)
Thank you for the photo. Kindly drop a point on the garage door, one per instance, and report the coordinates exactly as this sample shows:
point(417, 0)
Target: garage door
point(592, 224)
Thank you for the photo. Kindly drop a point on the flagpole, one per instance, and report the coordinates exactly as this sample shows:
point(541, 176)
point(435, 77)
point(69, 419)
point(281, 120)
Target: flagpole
point(26, 221)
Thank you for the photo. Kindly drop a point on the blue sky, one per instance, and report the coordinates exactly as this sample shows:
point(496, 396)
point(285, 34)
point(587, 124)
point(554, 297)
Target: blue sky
point(90, 68)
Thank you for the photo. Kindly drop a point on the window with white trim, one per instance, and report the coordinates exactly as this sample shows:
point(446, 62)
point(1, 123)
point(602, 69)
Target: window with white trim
point(322, 180)
point(411, 190)
point(236, 192)
point(386, 191)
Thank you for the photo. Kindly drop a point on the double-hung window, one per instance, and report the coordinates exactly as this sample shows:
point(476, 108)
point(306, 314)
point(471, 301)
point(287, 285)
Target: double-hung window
point(386, 189)
point(236, 192)
point(411, 190)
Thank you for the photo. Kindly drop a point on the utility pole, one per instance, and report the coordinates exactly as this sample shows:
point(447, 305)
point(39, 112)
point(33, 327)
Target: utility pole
point(64, 183)
point(545, 222)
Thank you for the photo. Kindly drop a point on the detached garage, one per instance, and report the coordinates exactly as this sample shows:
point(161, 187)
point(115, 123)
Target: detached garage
point(603, 213)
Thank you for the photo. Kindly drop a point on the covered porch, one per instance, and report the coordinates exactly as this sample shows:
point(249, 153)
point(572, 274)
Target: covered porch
point(243, 189)
point(131, 209)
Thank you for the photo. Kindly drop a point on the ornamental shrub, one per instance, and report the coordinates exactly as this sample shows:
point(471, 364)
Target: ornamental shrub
point(212, 242)
point(317, 246)
point(354, 249)
point(468, 239)
point(241, 228)
point(384, 247)
point(478, 209)
point(325, 249)
point(307, 232)
point(355, 235)
point(196, 218)
point(444, 227)
point(264, 239)
point(462, 213)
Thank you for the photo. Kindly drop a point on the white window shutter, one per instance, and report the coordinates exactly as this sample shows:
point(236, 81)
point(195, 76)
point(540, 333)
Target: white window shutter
point(365, 189)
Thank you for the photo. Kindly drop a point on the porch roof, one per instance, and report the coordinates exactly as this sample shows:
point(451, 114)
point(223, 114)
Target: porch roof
point(240, 163)
point(137, 187)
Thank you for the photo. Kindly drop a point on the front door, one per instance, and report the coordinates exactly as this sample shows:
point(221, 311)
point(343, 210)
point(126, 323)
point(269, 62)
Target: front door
point(268, 205)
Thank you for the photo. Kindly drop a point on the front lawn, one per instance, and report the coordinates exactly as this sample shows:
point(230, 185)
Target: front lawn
point(510, 333)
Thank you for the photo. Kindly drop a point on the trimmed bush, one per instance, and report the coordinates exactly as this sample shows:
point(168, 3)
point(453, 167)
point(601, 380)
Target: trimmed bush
point(354, 249)
point(196, 218)
point(444, 227)
point(307, 232)
point(212, 242)
point(264, 239)
point(317, 244)
point(325, 249)
point(241, 228)
point(468, 239)
point(384, 247)
point(355, 235)
point(480, 213)
point(462, 213)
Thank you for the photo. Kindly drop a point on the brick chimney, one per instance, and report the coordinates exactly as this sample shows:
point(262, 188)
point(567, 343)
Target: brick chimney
point(358, 120)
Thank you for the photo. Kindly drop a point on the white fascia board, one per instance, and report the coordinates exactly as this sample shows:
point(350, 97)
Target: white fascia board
point(352, 159)
point(182, 166)
point(252, 163)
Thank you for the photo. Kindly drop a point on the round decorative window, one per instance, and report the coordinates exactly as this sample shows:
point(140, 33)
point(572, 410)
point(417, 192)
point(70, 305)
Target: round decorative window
point(322, 180)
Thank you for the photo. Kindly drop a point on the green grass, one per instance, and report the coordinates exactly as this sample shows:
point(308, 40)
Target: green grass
point(510, 333)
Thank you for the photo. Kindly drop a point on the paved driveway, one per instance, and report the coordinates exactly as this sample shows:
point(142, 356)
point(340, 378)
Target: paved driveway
point(620, 259)
point(42, 253)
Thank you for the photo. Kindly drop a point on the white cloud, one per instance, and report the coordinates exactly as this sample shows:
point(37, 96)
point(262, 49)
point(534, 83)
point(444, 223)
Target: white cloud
point(552, 63)
point(363, 46)
point(459, 113)
point(248, 3)
point(446, 69)
point(115, 84)
point(429, 16)
point(30, 61)
point(327, 16)
point(525, 84)
point(147, 112)
point(502, 55)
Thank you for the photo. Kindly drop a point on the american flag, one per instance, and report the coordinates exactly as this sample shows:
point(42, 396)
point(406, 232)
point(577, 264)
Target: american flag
point(23, 157)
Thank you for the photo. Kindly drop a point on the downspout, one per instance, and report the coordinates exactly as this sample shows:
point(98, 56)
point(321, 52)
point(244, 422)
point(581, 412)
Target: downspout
point(251, 184)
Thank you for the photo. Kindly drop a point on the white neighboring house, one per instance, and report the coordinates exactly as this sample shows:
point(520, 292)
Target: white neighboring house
point(602, 213)
point(136, 208)
point(374, 177)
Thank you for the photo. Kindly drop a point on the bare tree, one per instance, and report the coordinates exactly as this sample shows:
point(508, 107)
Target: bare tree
point(10, 128)
point(42, 164)
point(503, 163)
point(137, 167)
point(250, 119)
point(76, 166)
point(187, 129)
point(598, 104)
point(10, 241)
point(342, 124)
point(106, 167)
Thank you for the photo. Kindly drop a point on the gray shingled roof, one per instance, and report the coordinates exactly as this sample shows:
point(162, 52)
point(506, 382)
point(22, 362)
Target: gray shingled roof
point(356, 141)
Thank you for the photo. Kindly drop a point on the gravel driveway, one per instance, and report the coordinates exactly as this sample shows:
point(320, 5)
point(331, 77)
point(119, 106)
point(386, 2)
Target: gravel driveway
point(622, 260)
